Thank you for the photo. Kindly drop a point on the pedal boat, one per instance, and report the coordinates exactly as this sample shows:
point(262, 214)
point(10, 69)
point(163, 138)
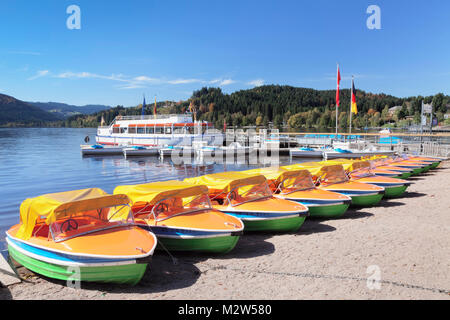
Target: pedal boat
point(360, 171)
point(333, 178)
point(416, 167)
point(381, 167)
point(250, 199)
point(426, 165)
point(392, 173)
point(83, 235)
point(297, 185)
point(435, 162)
point(182, 218)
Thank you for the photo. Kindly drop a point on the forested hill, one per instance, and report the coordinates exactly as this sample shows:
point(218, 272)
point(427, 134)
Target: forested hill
point(63, 110)
point(17, 113)
point(292, 106)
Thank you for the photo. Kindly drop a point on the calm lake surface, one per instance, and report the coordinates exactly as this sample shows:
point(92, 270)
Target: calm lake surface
point(36, 161)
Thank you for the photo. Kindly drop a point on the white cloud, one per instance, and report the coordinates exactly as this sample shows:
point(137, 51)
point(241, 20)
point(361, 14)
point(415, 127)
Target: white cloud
point(145, 79)
point(137, 82)
point(131, 86)
point(256, 83)
point(227, 82)
point(39, 74)
point(184, 81)
point(85, 75)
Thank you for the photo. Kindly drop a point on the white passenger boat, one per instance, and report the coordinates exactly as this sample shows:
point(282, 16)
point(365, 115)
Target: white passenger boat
point(158, 130)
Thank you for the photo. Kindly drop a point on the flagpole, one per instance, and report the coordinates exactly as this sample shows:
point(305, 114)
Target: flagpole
point(337, 109)
point(351, 95)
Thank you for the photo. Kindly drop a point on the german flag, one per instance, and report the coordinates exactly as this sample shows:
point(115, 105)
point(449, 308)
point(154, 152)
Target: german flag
point(354, 108)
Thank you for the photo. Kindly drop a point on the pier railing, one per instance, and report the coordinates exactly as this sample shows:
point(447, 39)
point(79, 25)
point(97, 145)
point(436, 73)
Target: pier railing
point(436, 144)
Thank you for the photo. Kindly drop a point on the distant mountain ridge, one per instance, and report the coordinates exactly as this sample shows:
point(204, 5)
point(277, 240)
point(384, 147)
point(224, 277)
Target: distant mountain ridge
point(14, 111)
point(63, 110)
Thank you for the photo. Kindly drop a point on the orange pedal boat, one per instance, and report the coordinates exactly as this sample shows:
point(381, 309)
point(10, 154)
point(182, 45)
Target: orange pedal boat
point(297, 185)
point(82, 235)
point(181, 216)
point(360, 171)
point(333, 178)
point(250, 199)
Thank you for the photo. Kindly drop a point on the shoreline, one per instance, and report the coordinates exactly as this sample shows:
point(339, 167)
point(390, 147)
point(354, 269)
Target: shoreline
point(405, 240)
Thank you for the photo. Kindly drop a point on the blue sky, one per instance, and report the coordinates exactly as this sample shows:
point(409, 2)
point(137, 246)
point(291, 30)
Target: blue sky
point(169, 48)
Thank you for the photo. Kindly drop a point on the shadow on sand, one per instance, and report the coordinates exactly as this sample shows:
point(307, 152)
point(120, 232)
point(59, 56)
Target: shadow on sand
point(251, 245)
point(408, 195)
point(315, 226)
point(5, 294)
point(355, 213)
point(163, 274)
point(387, 203)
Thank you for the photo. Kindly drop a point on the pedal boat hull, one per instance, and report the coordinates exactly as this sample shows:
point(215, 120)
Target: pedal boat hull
point(268, 215)
point(362, 194)
point(205, 231)
point(321, 203)
point(111, 256)
point(393, 187)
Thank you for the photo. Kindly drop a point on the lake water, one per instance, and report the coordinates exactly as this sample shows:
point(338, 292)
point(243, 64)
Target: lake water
point(36, 161)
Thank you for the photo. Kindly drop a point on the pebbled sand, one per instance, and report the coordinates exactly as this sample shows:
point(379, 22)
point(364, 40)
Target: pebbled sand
point(407, 238)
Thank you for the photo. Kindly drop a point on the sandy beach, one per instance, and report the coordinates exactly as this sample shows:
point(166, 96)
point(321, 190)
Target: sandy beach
point(405, 241)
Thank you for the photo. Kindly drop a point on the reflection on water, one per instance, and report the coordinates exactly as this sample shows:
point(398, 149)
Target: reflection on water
point(36, 161)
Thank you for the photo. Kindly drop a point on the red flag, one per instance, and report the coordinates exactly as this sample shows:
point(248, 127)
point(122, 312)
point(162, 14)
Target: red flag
point(224, 125)
point(337, 91)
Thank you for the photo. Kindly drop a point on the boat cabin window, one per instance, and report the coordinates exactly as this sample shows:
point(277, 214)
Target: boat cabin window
point(168, 130)
point(190, 130)
point(173, 206)
point(248, 193)
point(91, 221)
point(141, 130)
point(178, 130)
point(361, 173)
point(159, 130)
point(336, 176)
point(149, 130)
point(123, 130)
point(116, 130)
point(132, 130)
point(303, 182)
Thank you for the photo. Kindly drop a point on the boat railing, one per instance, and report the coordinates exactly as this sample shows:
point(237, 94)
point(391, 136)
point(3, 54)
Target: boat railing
point(150, 117)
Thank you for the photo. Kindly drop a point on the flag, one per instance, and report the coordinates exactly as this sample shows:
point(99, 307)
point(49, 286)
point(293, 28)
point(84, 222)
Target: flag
point(154, 109)
point(224, 125)
point(354, 108)
point(337, 91)
point(143, 108)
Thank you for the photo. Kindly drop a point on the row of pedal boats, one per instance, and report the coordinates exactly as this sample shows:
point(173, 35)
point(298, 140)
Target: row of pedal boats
point(89, 235)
